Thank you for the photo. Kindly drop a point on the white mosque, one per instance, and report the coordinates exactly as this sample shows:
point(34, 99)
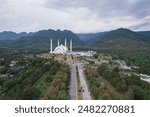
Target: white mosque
point(62, 49)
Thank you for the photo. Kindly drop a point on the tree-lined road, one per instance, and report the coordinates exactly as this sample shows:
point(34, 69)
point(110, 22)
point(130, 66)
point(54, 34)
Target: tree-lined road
point(73, 83)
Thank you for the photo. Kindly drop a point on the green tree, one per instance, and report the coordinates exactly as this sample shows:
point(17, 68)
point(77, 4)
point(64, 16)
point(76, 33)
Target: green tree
point(138, 92)
point(30, 93)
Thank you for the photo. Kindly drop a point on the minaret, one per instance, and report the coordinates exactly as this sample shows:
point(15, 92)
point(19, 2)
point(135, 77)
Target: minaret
point(71, 45)
point(65, 43)
point(58, 42)
point(51, 46)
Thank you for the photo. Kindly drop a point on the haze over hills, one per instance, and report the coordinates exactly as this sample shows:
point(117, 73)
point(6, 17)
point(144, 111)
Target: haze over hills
point(115, 39)
point(89, 36)
point(9, 35)
point(145, 33)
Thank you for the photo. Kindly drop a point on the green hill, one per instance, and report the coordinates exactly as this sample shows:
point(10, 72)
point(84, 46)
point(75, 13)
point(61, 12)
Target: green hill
point(41, 40)
point(116, 39)
point(120, 39)
point(145, 33)
point(9, 35)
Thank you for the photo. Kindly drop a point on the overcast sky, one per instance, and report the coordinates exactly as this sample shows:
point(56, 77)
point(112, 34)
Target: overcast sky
point(80, 16)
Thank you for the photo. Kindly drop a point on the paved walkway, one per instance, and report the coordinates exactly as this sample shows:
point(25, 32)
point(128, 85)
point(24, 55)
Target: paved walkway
point(83, 83)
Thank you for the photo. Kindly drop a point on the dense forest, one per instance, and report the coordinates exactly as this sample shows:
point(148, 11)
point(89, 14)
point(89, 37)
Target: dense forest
point(38, 78)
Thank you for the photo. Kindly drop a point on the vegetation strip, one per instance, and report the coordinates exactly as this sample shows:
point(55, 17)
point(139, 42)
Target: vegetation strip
point(80, 95)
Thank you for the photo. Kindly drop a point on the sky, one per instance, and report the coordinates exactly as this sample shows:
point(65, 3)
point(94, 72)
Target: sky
point(79, 16)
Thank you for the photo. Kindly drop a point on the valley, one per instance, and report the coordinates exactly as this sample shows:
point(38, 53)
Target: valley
point(119, 70)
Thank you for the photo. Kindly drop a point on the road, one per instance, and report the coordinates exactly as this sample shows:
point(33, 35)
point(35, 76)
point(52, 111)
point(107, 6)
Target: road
point(83, 83)
point(73, 83)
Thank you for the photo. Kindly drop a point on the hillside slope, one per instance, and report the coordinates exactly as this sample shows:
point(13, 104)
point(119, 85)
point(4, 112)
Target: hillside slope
point(41, 39)
point(9, 35)
point(120, 39)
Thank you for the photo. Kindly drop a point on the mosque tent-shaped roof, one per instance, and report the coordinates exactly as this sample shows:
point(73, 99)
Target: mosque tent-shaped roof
point(60, 49)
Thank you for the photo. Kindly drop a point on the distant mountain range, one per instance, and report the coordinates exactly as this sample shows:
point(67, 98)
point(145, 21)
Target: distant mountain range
point(89, 36)
point(9, 35)
point(115, 39)
point(145, 33)
point(40, 39)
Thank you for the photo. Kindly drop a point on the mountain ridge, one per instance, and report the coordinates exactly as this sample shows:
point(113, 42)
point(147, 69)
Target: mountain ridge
point(41, 39)
point(10, 35)
point(121, 38)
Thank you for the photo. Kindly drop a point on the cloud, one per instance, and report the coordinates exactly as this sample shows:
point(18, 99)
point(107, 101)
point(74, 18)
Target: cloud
point(76, 15)
point(2, 3)
point(104, 7)
point(143, 24)
point(103, 14)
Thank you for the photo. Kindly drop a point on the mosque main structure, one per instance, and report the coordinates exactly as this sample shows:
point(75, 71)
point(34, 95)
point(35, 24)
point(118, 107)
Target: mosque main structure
point(63, 49)
point(60, 49)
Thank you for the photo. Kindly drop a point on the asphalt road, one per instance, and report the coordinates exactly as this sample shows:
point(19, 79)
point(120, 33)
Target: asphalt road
point(73, 83)
point(83, 83)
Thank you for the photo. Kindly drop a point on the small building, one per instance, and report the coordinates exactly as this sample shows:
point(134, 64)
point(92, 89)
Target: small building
point(120, 64)
point(82, 53)
point(145, 77)
point(2, 59)
point(13, 63)
point(3, 75)
point(14, 69)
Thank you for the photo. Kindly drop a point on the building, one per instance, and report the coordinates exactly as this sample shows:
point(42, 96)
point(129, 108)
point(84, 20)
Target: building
point(63, 49)
point(145, 77)
point(14, 69)
point(120, 64)
point(13, 63)
point(60, 49)
point(82, 53)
